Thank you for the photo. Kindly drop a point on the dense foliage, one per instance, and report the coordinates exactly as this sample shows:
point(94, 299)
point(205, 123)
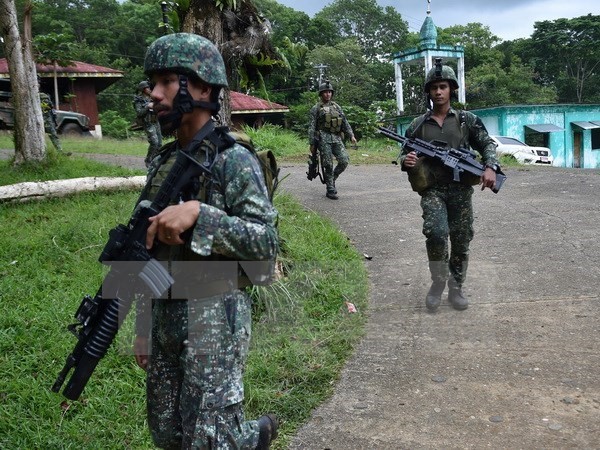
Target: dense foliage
point(349, 42)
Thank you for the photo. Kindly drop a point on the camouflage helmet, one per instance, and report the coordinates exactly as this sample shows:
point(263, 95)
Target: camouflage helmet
point(441, 73)
point(186, 54)
point(326, 86)
point(143, 85)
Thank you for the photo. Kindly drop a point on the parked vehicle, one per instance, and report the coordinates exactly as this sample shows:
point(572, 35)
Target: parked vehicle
point(523, 153)
point(67, 122)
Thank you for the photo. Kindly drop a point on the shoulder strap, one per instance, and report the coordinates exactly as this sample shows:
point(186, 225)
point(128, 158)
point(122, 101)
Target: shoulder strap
point(420, 121)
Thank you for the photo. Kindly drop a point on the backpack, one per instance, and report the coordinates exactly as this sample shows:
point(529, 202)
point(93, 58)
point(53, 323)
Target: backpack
point(266, 160)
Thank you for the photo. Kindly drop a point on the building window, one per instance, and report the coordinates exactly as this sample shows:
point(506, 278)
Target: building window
point(536, 139)
point(595, 138)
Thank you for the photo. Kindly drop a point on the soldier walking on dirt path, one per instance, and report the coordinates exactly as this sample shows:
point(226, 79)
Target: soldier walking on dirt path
point(447, 204)
point(326, 132)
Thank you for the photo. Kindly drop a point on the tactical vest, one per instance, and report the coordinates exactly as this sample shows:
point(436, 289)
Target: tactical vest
point(330, 118)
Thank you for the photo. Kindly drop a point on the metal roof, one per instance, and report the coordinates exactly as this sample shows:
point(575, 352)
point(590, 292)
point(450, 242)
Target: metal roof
point(586, 125)
point(245, 104)
point(77, 69)
point(544, 127)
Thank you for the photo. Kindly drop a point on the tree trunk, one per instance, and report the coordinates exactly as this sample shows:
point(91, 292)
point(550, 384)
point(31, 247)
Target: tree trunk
point(29, 135)
point(23, 192)
point(205, 19)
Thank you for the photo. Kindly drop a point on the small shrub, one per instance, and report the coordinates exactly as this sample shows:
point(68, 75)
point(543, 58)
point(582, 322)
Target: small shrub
point(113, 125)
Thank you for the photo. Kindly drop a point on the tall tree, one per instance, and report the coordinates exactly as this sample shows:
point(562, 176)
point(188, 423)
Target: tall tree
point(379, 31)
point(241, 35)
point(477, 39)
point(489, 84)
point(566, 53)
point(29, 134)
point(347, 70)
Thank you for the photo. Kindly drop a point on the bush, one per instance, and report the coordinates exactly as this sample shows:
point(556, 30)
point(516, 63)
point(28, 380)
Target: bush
point(299, 116)
point(114, 126)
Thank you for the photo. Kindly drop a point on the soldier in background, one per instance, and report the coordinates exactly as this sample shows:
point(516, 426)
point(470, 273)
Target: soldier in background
point(447, 204)
point(327, 129)
point(147, 120)
point(49, 115)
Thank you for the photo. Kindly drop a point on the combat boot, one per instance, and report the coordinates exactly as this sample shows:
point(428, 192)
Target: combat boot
point(332, 194)
point(267, 431)
point(457, 299)
point(434, 296)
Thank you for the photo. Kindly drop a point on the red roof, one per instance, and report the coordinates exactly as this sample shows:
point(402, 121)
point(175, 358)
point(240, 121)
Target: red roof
point(242, 103)
point(77, 67)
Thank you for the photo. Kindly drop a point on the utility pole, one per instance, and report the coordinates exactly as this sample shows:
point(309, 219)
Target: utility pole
point(321, 68)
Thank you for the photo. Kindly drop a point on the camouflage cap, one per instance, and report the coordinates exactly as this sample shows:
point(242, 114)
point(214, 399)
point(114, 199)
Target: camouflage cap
point(435, 74)
point(187, 54)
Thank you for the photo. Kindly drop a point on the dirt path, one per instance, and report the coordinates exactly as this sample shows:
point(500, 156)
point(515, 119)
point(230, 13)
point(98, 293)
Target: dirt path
point(519, 368)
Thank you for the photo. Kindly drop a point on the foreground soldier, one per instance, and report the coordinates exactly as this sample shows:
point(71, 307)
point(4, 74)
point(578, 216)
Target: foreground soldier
point(200, 343)
point(447, 205)
point(142, 103)
point(327, 123)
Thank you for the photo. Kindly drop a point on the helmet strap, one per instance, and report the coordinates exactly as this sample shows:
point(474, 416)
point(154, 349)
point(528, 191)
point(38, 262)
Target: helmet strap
point(182, 104)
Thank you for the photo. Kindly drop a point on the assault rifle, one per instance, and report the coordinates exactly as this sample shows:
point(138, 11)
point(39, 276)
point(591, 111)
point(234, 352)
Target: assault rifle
point(459, 160)
point(99, 318)
point(313, 166)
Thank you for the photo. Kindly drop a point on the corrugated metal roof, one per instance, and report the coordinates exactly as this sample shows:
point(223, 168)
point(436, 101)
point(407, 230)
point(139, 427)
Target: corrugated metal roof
point(244, 104)
point(78, 68)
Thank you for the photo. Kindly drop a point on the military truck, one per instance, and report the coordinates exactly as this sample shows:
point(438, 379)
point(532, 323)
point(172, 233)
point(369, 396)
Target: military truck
point(67, 122)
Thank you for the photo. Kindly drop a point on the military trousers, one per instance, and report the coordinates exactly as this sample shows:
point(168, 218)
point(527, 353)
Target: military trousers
point(194, 377)
point(448, 213)
point(50, 128)
point(154, 137)
point(328, 151)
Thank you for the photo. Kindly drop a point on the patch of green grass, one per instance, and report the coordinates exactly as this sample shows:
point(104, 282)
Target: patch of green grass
point(60, 167)
point(134, 146)
point(302, 331)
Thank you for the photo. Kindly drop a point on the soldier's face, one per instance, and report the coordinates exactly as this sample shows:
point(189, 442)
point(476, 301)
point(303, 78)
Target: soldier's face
point(165, 89)
point(439, 91)
point(326, 95)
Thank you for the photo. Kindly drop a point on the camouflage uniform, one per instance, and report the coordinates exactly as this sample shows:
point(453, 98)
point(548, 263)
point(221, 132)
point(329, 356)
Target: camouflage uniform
point(201, 331)
point(50, 120)
point(200, 345)
point(327, 123)
point(148, 121)
point(447, 206)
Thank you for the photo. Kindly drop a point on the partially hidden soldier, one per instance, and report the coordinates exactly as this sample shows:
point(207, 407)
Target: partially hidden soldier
point(146, 118)
point(326, 132)
point(447, 204)
point(49, 115)
point(200, 333)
